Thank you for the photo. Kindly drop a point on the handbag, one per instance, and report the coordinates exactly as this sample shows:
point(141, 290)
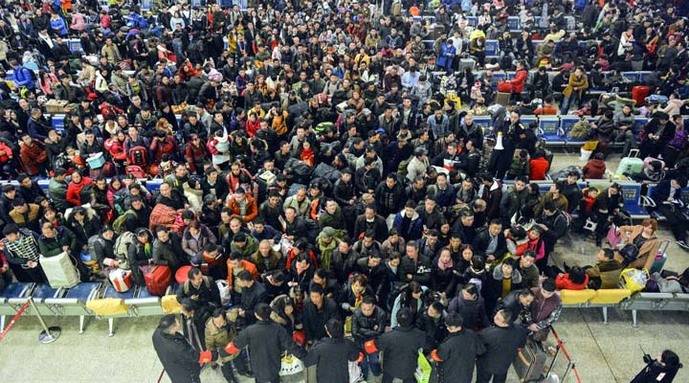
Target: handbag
point(629, 252)
point(290, 365)
point(613, 237)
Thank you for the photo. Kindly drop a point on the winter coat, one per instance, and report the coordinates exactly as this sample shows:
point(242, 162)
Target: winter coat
point(314, 319)
point(458, 353)
point(473, 312)
point(581, 82)
point(331, 357)
point(501, 345)
point(178, 357)
point(267, 341)
point(193, 246)
point(32, 157)
point(410, 231)
point(169, 253)
point(400, 351)
point(366, 328)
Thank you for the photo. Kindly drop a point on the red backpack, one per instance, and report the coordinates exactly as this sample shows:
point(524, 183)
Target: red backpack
point(138, 156)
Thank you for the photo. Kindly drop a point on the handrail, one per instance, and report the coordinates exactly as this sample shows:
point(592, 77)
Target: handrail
point(572, 366)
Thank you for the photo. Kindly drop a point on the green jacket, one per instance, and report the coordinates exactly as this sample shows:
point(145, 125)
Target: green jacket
point(57, 191)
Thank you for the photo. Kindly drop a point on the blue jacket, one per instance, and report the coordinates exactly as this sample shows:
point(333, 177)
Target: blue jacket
point(59, 26)
point(413, 231)
point(23, 77)
point(447, 54)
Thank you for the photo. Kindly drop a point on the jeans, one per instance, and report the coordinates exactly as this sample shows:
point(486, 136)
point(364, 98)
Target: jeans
point(373, 362)
point(573, 99)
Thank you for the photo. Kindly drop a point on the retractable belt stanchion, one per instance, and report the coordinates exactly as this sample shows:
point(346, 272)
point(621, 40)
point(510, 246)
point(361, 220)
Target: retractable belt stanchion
point(49, 334)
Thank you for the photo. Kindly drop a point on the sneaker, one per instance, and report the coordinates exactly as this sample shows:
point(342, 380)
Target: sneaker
point(683, 245)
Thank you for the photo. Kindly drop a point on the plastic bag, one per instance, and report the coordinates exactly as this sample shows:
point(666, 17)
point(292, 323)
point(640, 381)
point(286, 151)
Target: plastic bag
point(423, 369)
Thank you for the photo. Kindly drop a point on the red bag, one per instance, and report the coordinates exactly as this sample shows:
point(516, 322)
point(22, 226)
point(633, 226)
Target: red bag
point(158, 279)
point(639, 94)
point(121, 280)
point(136, 171)
point(505, 87)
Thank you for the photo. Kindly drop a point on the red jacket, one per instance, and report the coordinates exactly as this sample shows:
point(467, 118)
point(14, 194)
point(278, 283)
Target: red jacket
point(538, 167)
point(251, 208)
point(519, 80)
point(32, 157)
point(73, 196)
point(194, 155)
point(562, 282)
point(252, 127)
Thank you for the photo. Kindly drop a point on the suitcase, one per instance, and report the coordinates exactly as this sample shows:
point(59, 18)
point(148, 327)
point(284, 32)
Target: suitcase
point(326, 171)
point(639, 94)
point(630, 165)
point(503, 98)
point(532, 372)
point(660, 259)
point(60, 270)
point(121, 280)
point(157, 278)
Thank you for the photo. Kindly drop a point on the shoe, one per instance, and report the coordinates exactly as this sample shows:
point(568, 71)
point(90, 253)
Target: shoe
point(683, 245)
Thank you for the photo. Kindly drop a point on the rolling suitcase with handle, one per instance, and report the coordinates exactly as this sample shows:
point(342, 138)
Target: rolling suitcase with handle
point(60, 270)
point(532, 367)
point(158, 278)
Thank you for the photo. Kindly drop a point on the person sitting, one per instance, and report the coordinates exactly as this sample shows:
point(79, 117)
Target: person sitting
point(575, 279)
point(640, 244)
point(605, 274)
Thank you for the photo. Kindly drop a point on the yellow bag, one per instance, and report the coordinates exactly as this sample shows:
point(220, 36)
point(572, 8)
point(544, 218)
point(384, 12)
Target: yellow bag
point(170, 304)
point(590, 145)
point(107, 306)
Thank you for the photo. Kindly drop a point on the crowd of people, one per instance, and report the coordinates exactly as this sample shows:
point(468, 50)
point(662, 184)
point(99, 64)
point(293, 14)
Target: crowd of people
point(322, 161)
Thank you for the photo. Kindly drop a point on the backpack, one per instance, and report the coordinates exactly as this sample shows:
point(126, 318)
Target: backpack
point(138, 156)
point(93, 240)
point(122, 244)
point(118, 223)
point(580, 130)
point(402, 168)
point(185, 286)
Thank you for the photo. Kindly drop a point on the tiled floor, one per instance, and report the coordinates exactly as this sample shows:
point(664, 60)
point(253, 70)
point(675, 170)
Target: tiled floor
point(602, 352)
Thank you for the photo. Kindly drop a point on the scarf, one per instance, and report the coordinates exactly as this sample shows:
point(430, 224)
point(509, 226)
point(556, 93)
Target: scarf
point(327, 252)
point(445, 265)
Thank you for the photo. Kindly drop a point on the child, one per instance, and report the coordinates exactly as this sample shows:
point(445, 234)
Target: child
point(575, 279)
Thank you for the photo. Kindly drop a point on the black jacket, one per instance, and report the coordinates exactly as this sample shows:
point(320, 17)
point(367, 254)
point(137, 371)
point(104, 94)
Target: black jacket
point(482, 241)
point(207, 292)
point(473, 312)
point(459, 352)
point(314, 320)
point(251, 297)
point(400, 351)
point(420, 270)
point(366, 328)
point(331, 357)
point(169, 253)
point(267, 341)
point(389, 201)
point(501, 345)
point(378, 226)
point(179, 359)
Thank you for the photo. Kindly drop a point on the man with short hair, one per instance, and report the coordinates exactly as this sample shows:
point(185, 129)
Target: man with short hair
point(200, 289)
point(266, 342)
point(457, 354)
point(317, 311)
point(331, 355)
point(502, 342)
point(400, 349)
point(252, 294)
point(179, 359)
point(368, 322)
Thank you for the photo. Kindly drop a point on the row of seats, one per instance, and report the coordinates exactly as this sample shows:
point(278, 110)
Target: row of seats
point(624, 300)
point(79, 301)
point(513, 22)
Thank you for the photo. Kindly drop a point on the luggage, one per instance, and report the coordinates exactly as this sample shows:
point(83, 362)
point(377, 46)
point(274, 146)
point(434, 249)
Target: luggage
point(96, 161)
point(55, 106)
point(293, 188)
point(158, 278)
point(290, 366)
point(60, 270)
point(121, 280)
point(503, 98)
point(166, 216)
point(181, 275)
point(661, 258)
point(639, 94)
point(630, 165)
point(633, 280)
point(89, 260)
point(533, 372)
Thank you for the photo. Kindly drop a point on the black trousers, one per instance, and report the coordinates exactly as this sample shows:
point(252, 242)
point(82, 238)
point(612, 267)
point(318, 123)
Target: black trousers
point(228, 372)
point(483, 376)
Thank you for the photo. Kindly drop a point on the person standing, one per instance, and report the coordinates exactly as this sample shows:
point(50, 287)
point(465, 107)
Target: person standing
point(180, 360)
point(502, 342)
point(400, 349)
point(331, 355)
point(457, 354)
point(267, 341)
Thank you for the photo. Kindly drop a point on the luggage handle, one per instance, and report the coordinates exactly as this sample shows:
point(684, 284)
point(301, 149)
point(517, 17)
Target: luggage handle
point(633, 153)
